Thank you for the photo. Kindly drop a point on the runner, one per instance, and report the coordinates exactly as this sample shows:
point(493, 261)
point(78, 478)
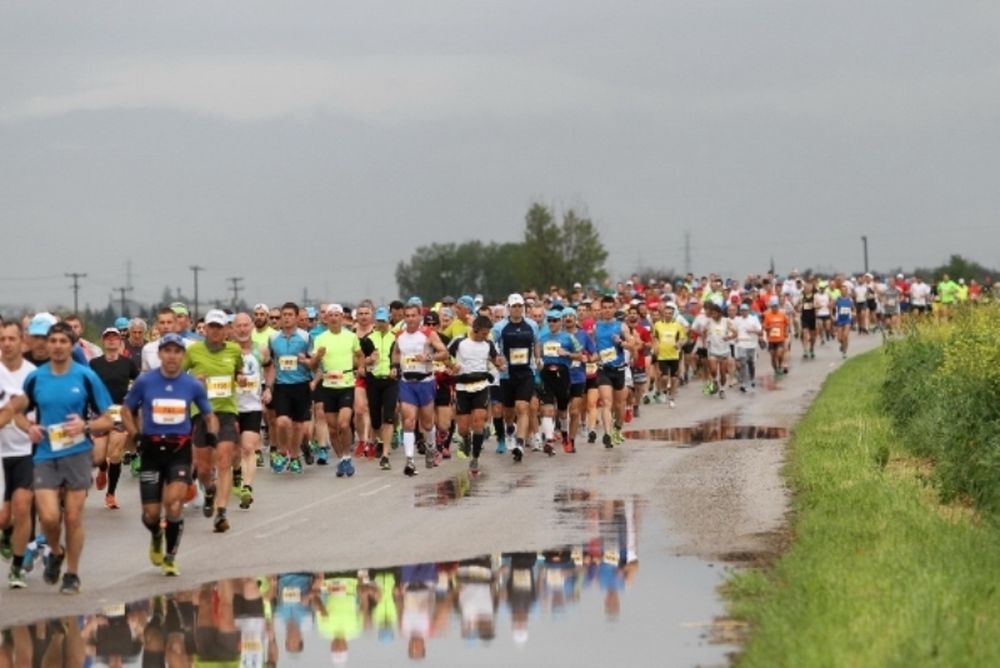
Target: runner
point(166, 323)
point(381, 383)
point(363, 326)
point(63, 391)
point(807, 318)
point(165, 397)
point(559, 349)
point(337, 354)
point(777, 330)
point(472, 355)
point(577, 377)
point(670, 335)
point(417, 347)
point(117, 372)
point(611, 337)
point(717, 333)
point(748, 336)
point(251, 396)
point(288, 379)
point(135, 340)
point(844, 308)
point(216, 363)
point(517, 340)
point(16, 514)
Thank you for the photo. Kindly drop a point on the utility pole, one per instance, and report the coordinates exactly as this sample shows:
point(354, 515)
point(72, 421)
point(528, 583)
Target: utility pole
point(864, 245)
point(687, 252)
point(121, 291)
point(305, 297)
point(76, 289)
point(235, 280)
point(195, 268)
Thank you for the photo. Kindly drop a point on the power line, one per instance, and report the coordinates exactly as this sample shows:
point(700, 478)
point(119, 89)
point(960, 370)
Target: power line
point(235, 280)
point(76, 288)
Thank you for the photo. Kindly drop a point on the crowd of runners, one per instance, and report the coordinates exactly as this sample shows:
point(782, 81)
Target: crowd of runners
point(196, 406)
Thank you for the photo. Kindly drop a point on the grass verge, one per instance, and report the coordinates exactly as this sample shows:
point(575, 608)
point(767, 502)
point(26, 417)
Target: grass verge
point(878, 573)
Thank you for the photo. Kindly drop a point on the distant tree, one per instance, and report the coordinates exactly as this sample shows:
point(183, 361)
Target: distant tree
point(583, 253)
point(958, 267)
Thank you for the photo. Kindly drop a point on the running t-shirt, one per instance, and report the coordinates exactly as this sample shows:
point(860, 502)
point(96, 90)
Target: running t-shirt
point(248, 394)
point(260, 337)
point(76, 391)
point(844, 308)
point(609, 352)
point(116, 375)
point(410, 345)
point(285, 351)
point(381, 343)
point(579, 370)
point(217, 370)
point(13, 441)
point(669, 337)
point(748, 330)
point(552, 344)
point(473, 359)
point(516, 341)
point(338, 360)
point(716, 332)
point(166, 403)
point(775, 326)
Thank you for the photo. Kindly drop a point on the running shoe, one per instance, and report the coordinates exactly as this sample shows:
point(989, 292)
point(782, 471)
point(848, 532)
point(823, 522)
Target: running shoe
point(295, 466)
point(501, 446)
point(134, 466)
point(430, 458)
point(384, 463)
point(237, 478)
point(260, 459)
point(53, 564)
point(170, 567)
point(246, 497)
point(102, 479)
point(370, 450)
point(359, 449)
point(348, 468)
point(445, 452)
point(221, 524)
point(517, 453)
point(617, 437)
point(592, 436)
point(17, 578)
point(722, 394)
point(110, 502)
point(323, 455)
point(340, 469)
point(608, 443)
point(672, 404)
point(548, 449)
point(307, 455)
point(569, 447)
point(628, 415)
point(474, 465)
point(410, 469)
point(70, 584)
point(36, 547)
point(156, 549)
point(209, 506)
point(279, 463)
point(6, 551)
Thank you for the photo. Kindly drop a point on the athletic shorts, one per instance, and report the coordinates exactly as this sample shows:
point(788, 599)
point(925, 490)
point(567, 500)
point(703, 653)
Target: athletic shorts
point(872, 305)
point(214, 645)
point(824, 318)
point(775, 345)
point(18, 473)
point(687, 348)
point(228, 430)
point(555, 386)
point(417, 393)
point(639, 376)
point(292, 401)
point(336, 399)
point(466, 402)
point(669, 367)
point(702, 353)
point(383, 393)
point(611, 376)
point(808, 320)
point(520, 388)
point(250, 422)
point(316, 393)
point(442, 395)
point(73, 471)
point(576, 390)
point(496, 394)
point(248, 608)
point(591, 383)
point(162, 463)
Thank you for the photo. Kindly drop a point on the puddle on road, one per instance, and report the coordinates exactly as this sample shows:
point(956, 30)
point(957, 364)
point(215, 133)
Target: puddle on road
point(611, 597)
point(462, 485)
point(723, 428)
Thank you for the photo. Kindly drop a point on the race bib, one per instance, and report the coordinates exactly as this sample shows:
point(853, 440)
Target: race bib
point(116, 610)
point(219, 387)
point(521, 579)
point(115, 411)
point(518, 355)
point(608, 355)
point(291, 595)
point(410, 363)
point(775, 332)
point(577, 556)
point(591, 368)
point(576, 364)
point(288, 362)
point(60, 440)
point(439, 367)
point(551, 349)
point(611, 557)
point(333, 377)
point(477, 386)
point(844, 310)
point(251, 646)
point(554, 578)
point(168, 411)
point(251, 385)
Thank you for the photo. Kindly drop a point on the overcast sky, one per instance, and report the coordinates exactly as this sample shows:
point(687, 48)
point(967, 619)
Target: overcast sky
point(315, 144)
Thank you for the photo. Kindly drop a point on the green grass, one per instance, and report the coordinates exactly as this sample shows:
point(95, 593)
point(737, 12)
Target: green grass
point(878, 574)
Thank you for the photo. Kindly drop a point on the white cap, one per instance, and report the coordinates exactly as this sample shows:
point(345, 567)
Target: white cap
point(216, 317)
point(899, 276)
point(260, 307)
point(335, 308)
point(515, 298)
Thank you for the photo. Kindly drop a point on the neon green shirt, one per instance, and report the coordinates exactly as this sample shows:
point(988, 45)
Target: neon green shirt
point(343, 615)
point(947, 291)
point(456, 329)
point(338, 361)
point(217, 370)
point(383, 345)
point(263, 337)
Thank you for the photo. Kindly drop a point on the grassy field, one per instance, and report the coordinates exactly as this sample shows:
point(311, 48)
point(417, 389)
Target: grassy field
point(879, 572)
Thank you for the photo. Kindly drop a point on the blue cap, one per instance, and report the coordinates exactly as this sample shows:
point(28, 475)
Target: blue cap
point(121, 322)
point(311, 312)
point(554, 314)
point(382, 314)
point(773, 301)
point(569, 311)
point(414, 301)
point(40, 324)
point(172, 338)
point(468, 302)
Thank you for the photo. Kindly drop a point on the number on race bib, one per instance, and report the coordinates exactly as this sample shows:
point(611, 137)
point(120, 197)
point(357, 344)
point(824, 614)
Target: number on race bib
point(410, 363)
point(291, 595)
point(60, 440)
point(591, 368)
point(115, 411)
point(775, 333)
point(476, 386)
point(288, 362)
point(219, 387)
point(518, 355)
point(551, 349)
point(168, 411)
point(608, 355)
point(521, 579)
point(251, 385)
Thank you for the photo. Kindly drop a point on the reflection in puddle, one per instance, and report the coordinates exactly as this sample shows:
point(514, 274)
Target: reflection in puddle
point(443, 610)
point(462, 485)
point(723, 428)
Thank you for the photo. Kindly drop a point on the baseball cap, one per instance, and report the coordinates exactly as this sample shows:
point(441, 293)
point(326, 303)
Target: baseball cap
point(577, 286)
point(382, 314)
point(216, 317)
point(414, 301)
point(744, 306)
point(40, 324)
point(553, 314)
point(261, 307)
point(121, 322)
point(111, 331)
point(334, 308)
point(180, 308)
point(515, 298)
point(467, 301)
point(432, 318)
point(899, 276)
point(168, 339)
point(569, 312)
point(311, 312)
point(447, 299)
point(773, 301)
